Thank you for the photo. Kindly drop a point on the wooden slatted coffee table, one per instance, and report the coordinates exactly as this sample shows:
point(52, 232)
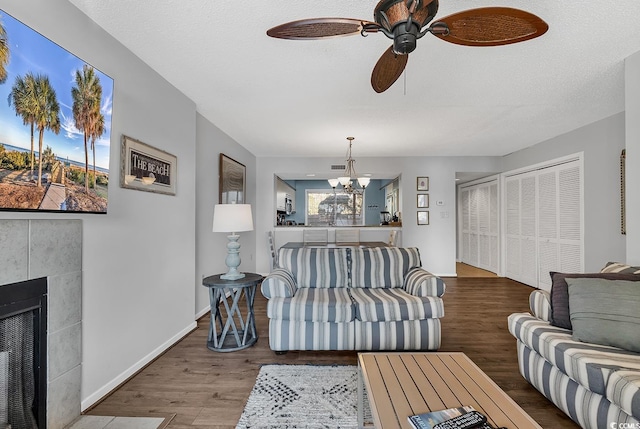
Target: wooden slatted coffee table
point(402, 384)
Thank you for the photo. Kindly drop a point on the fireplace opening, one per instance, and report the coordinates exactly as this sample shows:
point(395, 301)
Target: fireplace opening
point(23, 355)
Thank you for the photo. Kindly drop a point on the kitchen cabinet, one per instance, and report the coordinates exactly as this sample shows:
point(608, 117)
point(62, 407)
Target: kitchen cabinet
point(285, 192)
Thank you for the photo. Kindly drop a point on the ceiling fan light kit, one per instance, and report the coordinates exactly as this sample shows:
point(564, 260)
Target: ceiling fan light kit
point(405, 21)
point(402, 21)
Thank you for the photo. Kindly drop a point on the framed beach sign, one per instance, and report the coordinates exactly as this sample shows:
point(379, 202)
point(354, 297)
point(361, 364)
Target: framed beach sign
point(146, 168)
point(232, 185)
point(55, 132)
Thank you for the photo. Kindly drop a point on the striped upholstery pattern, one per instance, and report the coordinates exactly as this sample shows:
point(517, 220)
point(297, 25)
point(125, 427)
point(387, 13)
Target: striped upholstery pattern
point(592, 366)
point(420, 282)
point(382, 267)
point(405, 335)
point(279, 282)
point(394, 304)
point(313, 305)
point(540, 304)
point(588, 364)
point(300, 335)
point(272, 250)
point(588, 409)
point(623, 389)
point(620, 268)
point(316, 267)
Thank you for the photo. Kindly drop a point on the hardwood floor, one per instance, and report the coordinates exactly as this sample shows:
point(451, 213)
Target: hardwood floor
point(206, 389)
point(465, 270)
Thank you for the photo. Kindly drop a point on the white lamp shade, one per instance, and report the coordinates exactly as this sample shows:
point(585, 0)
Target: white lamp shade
point(232, 218)
point(364, 181)
point(345, 180)
point(333, 182)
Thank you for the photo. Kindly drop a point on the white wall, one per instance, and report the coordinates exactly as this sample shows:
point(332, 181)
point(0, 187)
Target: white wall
point(139, 258)
point(632, 100)
point(601, 142)
point(436, 241)
point(211, 247)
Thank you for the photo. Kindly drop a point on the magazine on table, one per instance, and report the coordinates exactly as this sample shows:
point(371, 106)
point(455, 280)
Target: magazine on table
point(431, 419)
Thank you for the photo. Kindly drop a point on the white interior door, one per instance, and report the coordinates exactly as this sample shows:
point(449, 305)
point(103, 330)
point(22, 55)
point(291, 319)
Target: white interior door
point(479, 225)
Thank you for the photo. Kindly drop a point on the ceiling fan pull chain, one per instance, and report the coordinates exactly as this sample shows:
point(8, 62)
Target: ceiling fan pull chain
point(405, 81)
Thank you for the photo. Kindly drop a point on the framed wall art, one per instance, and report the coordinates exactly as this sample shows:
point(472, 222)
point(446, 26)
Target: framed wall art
point(233, 185)
point(423, 201)
point(50, 159)
point(423, 184)
point(146, 168)
point(423, 218)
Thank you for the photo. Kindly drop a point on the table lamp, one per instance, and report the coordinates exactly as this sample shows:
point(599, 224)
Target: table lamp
point(232, 218)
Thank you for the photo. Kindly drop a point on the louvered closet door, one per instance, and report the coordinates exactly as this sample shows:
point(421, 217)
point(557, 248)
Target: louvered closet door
point(544, 230)
point(559, 221)
point(484, 243)
point(479, 225)
point(521, 235)
point(473, 227)
point(464, 234)
point(493, 228)
point(528, 253)
point(547, 226)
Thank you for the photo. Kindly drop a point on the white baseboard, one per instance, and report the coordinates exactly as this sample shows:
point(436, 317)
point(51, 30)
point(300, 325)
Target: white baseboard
point(447, 275)
point(202, 312)
point(107, 388)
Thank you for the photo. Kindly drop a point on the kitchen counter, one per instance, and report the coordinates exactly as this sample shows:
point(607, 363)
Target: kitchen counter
point(284, 234)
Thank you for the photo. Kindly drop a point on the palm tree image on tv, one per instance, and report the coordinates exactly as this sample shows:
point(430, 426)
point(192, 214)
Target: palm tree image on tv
point(35, 101)
point(4, 54)
point(63, 102)
point(86, 112)
point(21, 96)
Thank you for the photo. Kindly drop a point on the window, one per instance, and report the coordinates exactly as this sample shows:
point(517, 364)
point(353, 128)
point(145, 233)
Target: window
point(326, 208)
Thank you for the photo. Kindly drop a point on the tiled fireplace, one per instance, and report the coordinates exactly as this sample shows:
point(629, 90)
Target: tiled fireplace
point(32, 249)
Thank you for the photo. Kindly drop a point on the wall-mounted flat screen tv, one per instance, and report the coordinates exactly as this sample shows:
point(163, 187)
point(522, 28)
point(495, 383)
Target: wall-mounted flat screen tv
point(55, 125)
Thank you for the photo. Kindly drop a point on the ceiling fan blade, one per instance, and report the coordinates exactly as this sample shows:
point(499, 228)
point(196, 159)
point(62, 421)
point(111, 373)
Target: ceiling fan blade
point(387, 70)
point(491, 26)
point(319, 28)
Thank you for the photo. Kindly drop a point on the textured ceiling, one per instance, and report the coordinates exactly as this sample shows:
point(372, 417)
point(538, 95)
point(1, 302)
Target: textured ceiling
point(303, 98)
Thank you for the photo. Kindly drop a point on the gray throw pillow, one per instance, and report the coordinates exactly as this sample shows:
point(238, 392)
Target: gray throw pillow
point(560, 295)
point(605, 312)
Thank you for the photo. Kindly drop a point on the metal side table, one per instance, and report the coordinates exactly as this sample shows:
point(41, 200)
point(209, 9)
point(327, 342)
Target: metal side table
point(232, 330)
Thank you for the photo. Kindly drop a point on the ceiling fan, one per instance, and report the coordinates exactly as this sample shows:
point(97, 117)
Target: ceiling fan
point(405, 22)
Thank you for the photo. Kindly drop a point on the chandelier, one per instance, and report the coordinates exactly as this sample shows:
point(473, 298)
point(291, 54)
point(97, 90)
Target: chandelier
point(348, 181)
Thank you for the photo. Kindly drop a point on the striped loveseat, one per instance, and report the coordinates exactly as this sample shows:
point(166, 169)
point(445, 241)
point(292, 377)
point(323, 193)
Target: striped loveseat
point(595, 385)
point(353, 299)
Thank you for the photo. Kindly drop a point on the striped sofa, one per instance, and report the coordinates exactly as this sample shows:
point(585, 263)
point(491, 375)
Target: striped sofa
point(353, 299)
point(594, 385)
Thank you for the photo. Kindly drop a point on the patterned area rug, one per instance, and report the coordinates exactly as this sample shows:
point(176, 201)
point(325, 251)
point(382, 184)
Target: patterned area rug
point(303, 396)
